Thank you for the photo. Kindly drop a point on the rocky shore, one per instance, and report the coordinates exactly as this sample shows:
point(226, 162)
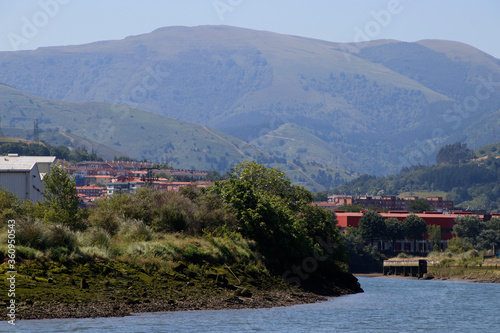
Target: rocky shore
point(110, 289)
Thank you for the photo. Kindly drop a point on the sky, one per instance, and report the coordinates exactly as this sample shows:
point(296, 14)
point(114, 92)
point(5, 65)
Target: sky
point(29, 24)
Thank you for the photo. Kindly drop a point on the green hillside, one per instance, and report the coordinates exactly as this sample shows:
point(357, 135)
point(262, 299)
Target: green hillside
point(473, 185)
point(133, 132)
point(112, 130)
point(492, 150)
point(377, 103)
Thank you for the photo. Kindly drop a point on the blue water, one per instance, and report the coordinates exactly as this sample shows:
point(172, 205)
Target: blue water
point(388, 305)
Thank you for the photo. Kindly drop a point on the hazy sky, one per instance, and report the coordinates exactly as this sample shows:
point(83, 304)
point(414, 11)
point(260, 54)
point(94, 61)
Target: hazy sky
point(29, 24)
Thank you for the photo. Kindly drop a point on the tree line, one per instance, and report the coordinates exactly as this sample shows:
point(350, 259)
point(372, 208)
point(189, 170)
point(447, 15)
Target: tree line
point(62, 152)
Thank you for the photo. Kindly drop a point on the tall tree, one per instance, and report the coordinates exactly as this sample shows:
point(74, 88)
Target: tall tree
point(415, 228)
point(394, 231)
point(372, 225)
point(278, 216)
point(468, 228)
point(61, 201)
point(434, 235)
point(490, 235)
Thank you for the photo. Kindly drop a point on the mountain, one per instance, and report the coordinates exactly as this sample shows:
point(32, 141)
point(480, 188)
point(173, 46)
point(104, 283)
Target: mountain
point(120, 130)
point(116, 130)
point(373, 107)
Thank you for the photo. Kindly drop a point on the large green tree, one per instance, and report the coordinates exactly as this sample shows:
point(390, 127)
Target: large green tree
point(279, 216)
point(490, 236)
point(394, 230)
point(434, 235)
point(61, 201)
point(415, 228)
point(419, 206)
point(468, 228)
point(372, 225)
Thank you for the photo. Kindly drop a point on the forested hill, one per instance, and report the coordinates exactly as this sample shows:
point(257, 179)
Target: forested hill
point(474, 184)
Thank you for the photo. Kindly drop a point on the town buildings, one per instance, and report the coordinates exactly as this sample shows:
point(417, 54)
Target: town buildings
point(95, 180)
point(389, 202)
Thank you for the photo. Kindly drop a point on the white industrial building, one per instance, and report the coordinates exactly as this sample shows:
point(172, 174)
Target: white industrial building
point(23, 175)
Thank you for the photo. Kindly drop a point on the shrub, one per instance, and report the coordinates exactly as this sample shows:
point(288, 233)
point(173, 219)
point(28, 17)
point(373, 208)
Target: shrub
point(97, 238)
point(458, 245)
point(32, 234)
point(27, 252)
point(61, 236)
point(169, 219)
point(104, 218)
point(134, 230)
point(60, 253)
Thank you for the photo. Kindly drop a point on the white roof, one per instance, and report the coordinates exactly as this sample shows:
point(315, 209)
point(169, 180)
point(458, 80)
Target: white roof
point(23, 163)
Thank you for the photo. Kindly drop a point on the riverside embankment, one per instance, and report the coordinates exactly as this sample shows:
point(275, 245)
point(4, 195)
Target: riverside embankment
point(48, 289)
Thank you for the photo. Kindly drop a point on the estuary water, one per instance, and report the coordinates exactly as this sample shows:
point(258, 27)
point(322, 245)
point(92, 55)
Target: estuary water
point(387, 305)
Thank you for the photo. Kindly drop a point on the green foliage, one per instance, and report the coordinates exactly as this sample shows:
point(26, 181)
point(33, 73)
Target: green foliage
point(105, 217)
point(468, 228)
point(419, 206)
point(188, 210)
point(32, 234)
point(480, 235)
point(320, 196)
point(43, 149)
point(394, 230)
point(363, 258)
point(134, 231)
point(372, 225)
point(24, 149)
point(10, 205)
point(434, 232)
point(277, 215)
point(458, 245)
point(41, 236)
point(454, 154)
point(415, 228)
point(61, 200)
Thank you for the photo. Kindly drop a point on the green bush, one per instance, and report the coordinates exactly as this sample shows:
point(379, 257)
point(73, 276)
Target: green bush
point(134, 230)
point(32, 233)
point(25, 252)
point(61, 236)
point(104, 218)
point(169, 219)
point(96, 237)
point(458, 245)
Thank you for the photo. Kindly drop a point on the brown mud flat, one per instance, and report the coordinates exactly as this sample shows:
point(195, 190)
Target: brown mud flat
point(49, 290)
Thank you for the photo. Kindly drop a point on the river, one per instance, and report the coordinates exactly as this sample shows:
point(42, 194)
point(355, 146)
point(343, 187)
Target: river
point(387, 305)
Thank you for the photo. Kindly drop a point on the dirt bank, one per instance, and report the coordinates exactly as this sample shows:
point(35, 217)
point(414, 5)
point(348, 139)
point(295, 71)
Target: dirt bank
point(109, 289)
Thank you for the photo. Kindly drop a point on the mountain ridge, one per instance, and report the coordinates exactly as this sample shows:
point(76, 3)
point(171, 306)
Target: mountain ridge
point(376, 101)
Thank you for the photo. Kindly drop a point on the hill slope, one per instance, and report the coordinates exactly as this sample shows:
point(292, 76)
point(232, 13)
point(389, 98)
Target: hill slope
point(379, 103)
point(110, 129)
point(114, 130)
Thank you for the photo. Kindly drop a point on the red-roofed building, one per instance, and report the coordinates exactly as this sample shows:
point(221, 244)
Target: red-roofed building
point(444, 221)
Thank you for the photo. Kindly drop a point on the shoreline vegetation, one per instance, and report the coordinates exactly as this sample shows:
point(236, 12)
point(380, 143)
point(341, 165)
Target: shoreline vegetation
point(253, 241)
point(471, 266)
